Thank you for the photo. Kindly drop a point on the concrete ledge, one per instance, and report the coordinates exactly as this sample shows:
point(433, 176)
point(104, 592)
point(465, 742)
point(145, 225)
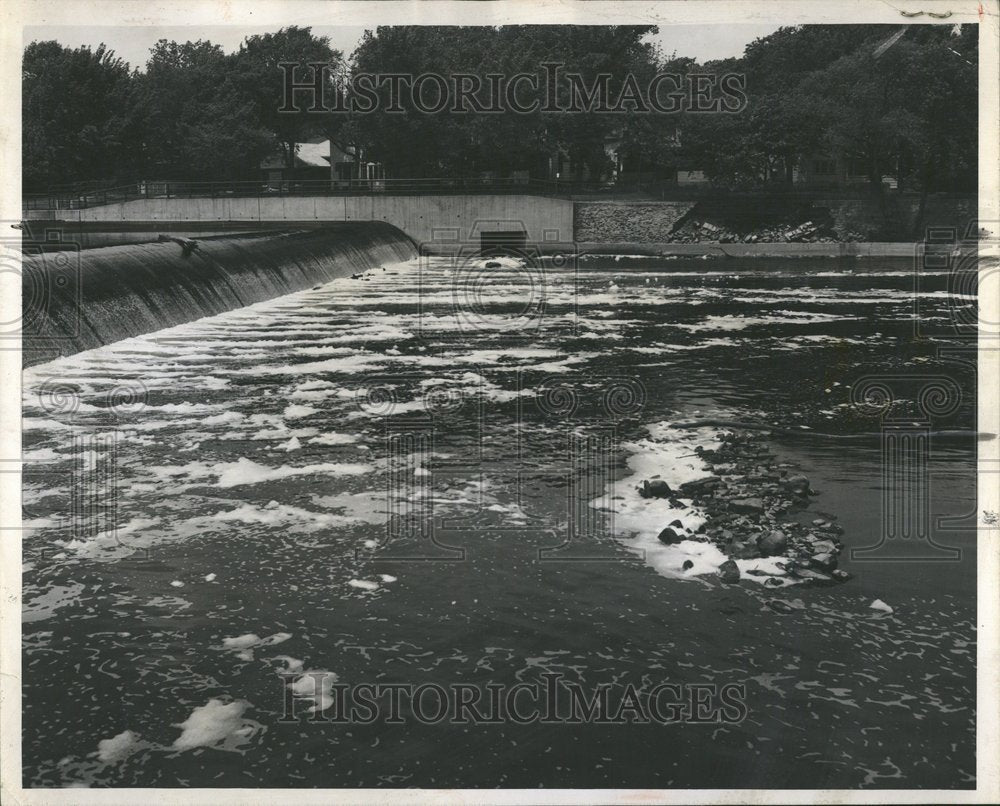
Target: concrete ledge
point(724, 250)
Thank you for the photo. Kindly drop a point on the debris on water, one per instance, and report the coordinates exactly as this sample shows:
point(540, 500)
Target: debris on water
point(878, 604)
point(363, 584)
point(177, 584)
point(210, 577)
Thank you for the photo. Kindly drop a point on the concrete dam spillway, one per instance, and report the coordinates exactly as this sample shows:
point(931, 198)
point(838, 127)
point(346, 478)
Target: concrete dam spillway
point(78, 300)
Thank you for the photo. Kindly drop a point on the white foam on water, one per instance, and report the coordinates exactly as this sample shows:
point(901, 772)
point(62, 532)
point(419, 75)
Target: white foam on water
point(44, 605)
point(363, 584)
point(736, 322)
point(275, 514)
point(347, 365)
point(661, 347)
point(296, 411)
point(120, 747)
point(291, 664)
point(358, 507)
point(334, 438)
point(246, 471)
point(216, 724)
point(112, 539)
point(244, 645)
point(43, 456)
point(228, 418)
point(315, 685)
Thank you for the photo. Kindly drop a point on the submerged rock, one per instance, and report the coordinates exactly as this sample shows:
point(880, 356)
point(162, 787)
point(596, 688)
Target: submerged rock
point(742, 550)
point(669, 536)
point(751, 506)
point(655, 489)
point(808, 573)
point(825, 561)
point(775, 543)
point(700, 486)
point(729, 572)
point(797, 484)
point(687, 564)
point(823, 547)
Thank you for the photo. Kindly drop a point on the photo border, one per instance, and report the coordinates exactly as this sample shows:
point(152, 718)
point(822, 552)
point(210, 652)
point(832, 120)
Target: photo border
point(16, 14)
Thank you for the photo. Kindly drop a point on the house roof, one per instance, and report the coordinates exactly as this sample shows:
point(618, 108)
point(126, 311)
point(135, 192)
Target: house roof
point(311, 154)
point(315, 154)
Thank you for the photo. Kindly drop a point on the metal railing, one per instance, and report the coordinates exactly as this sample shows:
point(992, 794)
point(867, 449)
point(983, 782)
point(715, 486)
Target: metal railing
point(81, 197)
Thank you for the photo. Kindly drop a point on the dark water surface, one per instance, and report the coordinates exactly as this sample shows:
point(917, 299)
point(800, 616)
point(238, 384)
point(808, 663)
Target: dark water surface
point(258, 456)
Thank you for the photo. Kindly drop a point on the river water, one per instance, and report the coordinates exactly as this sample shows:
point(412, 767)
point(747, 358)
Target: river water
point(427, 475)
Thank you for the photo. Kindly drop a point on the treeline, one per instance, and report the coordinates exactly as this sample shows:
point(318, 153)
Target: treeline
point(193, 112)
point(894, 101)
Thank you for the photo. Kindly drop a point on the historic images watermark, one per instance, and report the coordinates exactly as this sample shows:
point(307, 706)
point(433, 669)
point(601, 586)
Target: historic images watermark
point(319, 87)
point(46, 266)
point(319, 697)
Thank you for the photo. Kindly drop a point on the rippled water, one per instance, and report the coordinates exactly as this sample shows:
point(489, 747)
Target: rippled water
point(401, 478)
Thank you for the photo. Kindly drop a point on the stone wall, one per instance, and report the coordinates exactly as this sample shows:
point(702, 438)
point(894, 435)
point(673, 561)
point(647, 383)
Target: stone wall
point(761, 218)
point(612, 222)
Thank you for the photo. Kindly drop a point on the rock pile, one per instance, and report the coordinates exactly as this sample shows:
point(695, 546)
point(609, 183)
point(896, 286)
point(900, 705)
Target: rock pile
point(755, 508)
point(695, 231)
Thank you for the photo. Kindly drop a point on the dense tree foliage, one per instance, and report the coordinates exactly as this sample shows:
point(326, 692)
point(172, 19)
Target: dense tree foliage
point(195, 124)
point(78, 114)
point(905, 106)
point(900, 102)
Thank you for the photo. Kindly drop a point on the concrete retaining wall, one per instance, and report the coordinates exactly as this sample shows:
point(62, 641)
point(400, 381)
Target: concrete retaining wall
point(425, 219)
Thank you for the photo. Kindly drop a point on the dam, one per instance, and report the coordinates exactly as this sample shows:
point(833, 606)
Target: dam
point(115, 264)
point(103, 272)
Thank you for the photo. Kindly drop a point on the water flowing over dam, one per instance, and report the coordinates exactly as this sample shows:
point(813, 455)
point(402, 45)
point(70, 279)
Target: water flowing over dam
point(79, 300)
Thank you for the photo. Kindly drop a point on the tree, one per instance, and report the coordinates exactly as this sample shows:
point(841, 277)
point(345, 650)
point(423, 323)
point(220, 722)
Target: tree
point(259, 81)
point(78, 116)
point(195, 124)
